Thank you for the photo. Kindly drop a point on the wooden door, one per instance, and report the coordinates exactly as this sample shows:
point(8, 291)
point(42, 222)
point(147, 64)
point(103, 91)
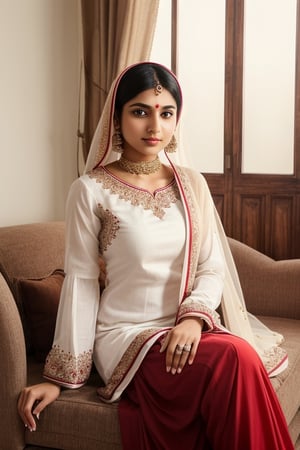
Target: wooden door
point(262, 210)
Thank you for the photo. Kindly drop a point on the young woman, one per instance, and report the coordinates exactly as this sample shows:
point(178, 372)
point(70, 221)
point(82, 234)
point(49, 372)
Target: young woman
point(155, 336)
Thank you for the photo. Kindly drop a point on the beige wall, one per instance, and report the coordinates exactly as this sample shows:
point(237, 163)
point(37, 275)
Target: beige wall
point(39, 48)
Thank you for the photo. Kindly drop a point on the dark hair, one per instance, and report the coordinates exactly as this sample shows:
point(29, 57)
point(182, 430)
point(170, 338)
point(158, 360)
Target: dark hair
point(142, 77)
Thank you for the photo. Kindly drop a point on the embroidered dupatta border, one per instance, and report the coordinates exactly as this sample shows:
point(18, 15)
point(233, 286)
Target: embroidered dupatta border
point(187, 307)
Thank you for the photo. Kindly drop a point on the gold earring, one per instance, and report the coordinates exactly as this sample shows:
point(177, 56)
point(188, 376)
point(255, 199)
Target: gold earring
point(172, 145)
point(117, 141)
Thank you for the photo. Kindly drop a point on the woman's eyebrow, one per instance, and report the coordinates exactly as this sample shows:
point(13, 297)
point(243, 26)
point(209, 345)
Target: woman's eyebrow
point(144, 105)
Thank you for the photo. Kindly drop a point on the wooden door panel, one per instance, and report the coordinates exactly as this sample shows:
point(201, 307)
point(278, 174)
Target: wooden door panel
point(268, 222)
point(281, 227)
point(248, 223)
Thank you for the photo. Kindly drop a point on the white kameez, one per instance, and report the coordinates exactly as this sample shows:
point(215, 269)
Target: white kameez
point(142, 238)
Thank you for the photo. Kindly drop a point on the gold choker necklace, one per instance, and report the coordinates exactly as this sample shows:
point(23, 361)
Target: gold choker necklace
point(141, 167)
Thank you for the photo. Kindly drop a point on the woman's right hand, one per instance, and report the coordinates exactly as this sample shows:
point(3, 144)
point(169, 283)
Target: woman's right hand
point(33, 399)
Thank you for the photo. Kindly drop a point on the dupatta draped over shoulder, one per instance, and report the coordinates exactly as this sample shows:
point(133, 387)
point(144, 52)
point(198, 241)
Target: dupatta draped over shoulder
point(70, 359)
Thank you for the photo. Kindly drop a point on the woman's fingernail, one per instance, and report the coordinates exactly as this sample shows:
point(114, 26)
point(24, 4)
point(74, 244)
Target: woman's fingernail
point(168, 369)
point(37, 416)
point(173, 371)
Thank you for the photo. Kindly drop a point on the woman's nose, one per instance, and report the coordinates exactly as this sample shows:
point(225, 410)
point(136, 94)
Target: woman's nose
point(154, 126)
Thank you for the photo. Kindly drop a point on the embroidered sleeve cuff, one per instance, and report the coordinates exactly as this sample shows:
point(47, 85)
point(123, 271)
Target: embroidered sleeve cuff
point(67, 370)
point(191, 308)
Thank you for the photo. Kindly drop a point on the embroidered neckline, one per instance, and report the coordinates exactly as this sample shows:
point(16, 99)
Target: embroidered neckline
point(162, 198)
point(132, 186)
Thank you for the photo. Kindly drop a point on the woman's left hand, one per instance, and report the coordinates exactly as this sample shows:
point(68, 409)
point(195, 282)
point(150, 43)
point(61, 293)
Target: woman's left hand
point(181, 344)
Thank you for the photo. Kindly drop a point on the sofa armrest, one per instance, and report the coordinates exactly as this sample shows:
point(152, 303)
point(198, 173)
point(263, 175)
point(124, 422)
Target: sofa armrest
point(12, 370)
point(271, 288)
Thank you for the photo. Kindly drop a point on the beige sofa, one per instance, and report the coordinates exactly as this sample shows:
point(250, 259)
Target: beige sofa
point(78, 420)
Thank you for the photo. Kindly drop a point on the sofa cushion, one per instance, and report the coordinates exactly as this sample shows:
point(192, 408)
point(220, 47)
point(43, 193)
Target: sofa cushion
point(40, 299)
point(12, 284)
point(32, 250)
point(256, 271)
point(77, 420)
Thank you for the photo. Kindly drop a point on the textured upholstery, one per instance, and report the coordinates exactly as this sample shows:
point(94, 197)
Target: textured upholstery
point(78, 420)
point(270, 287)
point(12, 369)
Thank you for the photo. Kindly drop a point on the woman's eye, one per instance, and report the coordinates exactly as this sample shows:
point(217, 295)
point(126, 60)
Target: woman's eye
point(167, 114)
point(139, 112)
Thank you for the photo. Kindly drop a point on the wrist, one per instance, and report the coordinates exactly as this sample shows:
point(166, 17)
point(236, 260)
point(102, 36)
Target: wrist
point(193, 319)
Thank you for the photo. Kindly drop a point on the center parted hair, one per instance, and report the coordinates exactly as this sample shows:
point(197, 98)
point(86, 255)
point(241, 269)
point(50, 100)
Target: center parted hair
point(142, 77)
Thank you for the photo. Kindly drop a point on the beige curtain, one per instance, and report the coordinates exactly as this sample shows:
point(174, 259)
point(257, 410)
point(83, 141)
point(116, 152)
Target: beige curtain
point(116, 33)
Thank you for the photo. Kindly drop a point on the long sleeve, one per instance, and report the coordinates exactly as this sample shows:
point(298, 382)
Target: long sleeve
point(70, 359)
point(207, 290)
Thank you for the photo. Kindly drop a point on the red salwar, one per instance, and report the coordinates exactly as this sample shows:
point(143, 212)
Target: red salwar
point(223, 401)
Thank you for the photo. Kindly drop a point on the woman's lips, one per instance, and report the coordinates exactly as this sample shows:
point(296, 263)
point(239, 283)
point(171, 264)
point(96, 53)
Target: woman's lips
point(151, 141)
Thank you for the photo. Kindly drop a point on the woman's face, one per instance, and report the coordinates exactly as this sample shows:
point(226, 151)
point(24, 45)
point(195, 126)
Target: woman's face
point(148, 122)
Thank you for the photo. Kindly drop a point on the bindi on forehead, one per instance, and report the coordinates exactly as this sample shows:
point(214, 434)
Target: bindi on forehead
point(157, 106)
